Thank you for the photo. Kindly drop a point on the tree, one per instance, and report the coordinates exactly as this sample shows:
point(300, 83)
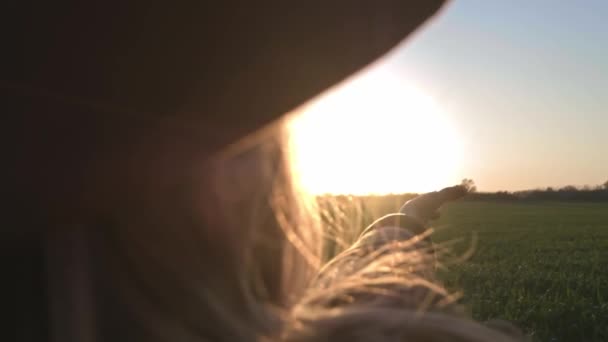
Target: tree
point(469, 184)
point(605, 185)
point(569, 188)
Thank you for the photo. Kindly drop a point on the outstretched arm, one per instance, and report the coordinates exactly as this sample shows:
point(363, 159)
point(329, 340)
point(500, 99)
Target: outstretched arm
point(396, 234)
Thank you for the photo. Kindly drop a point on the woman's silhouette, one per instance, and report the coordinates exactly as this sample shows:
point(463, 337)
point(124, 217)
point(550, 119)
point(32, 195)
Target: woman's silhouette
point(151, 194)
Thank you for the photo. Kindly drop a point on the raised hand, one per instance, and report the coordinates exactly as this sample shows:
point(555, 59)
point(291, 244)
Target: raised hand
point(425, 208)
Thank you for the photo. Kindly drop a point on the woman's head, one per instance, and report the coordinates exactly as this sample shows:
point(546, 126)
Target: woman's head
point(237, 256)
point(125, 114)
point(222, 256)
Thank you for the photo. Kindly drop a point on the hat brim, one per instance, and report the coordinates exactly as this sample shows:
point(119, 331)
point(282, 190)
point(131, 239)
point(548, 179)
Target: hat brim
point(249, 61)
point(84, 80)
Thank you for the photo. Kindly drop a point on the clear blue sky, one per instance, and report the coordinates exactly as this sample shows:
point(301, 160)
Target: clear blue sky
point(526, 83)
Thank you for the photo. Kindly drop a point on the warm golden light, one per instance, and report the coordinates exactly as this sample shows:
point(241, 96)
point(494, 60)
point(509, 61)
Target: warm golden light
point(374, 135)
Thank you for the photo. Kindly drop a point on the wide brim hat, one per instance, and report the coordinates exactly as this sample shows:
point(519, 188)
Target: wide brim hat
point(83, 82)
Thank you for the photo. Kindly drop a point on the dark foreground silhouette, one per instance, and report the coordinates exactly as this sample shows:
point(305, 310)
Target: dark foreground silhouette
point(108, 106)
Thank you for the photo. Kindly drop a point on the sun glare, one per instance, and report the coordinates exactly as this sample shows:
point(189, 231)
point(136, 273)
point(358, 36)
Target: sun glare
point(374, 135)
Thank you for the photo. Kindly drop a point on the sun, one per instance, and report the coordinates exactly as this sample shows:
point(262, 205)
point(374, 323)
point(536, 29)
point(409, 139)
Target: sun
point(375, 134)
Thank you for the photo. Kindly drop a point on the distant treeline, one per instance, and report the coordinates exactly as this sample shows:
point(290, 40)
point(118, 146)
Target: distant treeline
point(382, 204)
point(567, 193)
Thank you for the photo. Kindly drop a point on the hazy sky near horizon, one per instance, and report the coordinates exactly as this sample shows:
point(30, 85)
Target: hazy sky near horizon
point(524, 82)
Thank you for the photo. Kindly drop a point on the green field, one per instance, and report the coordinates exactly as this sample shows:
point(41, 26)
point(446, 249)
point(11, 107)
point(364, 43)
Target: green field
point(540, 265)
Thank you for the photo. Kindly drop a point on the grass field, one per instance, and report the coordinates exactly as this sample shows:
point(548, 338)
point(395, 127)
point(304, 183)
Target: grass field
point(540, 265)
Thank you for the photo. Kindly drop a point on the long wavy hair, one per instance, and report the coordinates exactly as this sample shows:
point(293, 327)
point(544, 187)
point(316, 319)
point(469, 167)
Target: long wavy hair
point(238, 253)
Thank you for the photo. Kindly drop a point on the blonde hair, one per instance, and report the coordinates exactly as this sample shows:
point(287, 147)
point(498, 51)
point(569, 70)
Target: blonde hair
point(238, 255)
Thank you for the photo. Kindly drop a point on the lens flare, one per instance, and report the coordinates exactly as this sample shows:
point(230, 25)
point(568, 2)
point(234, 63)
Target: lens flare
point(374, 135)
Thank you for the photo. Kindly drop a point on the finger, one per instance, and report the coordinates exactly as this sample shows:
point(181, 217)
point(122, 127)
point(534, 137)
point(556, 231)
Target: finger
point(426, 206)
point(453, 193)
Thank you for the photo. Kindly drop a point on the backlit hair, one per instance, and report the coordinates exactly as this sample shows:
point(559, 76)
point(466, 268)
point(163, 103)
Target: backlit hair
point(238, 254)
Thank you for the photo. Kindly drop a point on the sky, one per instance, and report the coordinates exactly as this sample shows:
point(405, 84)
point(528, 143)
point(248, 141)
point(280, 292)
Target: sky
point(511, 94)
point(525, 84)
